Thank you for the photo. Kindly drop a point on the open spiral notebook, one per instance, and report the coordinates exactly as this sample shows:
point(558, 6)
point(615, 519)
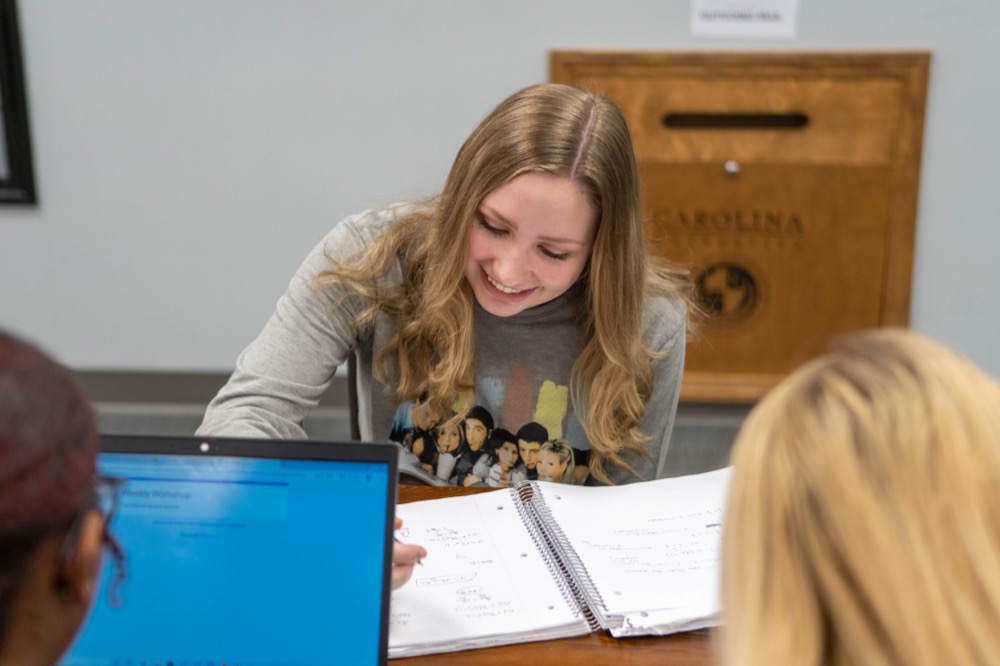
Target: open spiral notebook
point(544, 560)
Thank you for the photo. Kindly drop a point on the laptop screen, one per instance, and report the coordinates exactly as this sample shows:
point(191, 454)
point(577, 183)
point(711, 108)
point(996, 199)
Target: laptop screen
point(234, 557)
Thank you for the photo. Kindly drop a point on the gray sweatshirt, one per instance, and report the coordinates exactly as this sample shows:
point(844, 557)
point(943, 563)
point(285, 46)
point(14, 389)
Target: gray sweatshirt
point(523, 362)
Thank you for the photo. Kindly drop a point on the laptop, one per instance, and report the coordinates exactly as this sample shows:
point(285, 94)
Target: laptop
point(244, 551)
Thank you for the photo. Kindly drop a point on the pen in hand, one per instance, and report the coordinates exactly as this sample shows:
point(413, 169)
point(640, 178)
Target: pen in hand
point(420, 562)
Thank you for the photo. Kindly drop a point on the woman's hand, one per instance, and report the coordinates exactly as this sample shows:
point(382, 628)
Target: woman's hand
point(404, 557)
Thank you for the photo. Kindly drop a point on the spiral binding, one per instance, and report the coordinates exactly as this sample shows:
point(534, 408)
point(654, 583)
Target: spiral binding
point(560, 557)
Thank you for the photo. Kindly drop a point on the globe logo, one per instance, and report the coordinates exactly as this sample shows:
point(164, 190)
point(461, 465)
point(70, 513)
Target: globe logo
point(727, 292)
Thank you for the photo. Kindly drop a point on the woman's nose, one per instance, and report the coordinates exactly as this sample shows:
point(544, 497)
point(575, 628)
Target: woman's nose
point(509, 267)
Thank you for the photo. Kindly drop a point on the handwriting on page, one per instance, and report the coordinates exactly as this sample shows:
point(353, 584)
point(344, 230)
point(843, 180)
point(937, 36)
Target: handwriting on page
point(450, 539)
point(464, 553)
point(470, 601)
point(670, 544)
point(482, 575)
point(463, 544)
point(647, 545)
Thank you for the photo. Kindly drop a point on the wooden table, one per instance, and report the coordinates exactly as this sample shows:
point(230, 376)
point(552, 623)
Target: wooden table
point(688, 649)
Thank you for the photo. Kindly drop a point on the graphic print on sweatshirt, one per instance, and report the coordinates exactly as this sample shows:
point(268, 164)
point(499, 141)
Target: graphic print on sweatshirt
point(520, 428)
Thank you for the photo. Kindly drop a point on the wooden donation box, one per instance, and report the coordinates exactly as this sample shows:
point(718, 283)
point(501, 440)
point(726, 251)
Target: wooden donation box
point(787, 182)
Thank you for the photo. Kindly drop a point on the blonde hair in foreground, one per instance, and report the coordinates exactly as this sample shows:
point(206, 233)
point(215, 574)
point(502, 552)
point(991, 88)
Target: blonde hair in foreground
point(546, 128)
point(863, 524)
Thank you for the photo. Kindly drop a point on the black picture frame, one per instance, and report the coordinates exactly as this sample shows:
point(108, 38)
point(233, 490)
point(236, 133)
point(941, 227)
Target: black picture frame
point(17, 177)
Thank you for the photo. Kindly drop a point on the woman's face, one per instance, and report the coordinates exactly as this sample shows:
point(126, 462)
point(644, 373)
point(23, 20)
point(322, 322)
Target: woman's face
point(507, 455)
point(448, 439)
point(530, 241)
point(549, 467)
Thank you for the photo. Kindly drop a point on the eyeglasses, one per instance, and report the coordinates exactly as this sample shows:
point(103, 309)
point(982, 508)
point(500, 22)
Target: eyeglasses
point(106, 492)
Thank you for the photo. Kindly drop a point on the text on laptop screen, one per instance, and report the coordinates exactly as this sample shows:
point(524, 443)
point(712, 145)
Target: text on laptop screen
point(244, 561)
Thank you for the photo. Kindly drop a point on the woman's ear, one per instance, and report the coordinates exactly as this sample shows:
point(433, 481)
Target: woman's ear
point(76, 575)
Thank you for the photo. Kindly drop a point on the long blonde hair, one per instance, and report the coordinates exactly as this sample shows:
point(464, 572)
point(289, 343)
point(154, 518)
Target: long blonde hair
point(545, 128)
point(863, 523)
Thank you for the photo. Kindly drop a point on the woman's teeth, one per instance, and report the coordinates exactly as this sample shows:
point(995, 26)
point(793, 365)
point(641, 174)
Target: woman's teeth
point(502, 288)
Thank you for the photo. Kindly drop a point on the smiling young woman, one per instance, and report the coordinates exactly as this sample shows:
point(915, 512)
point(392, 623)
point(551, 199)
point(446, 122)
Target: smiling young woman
point(524, 288)
point(530, 242)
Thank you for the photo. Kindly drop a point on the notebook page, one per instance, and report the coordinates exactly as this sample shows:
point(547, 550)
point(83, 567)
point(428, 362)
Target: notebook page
point(483, 579)
point(651, 546)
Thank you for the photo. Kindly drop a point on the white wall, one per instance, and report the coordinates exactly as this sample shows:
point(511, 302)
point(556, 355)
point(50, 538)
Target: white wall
point(190, 152)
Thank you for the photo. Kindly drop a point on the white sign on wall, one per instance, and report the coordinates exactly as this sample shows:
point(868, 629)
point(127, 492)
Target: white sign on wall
point(766, 19)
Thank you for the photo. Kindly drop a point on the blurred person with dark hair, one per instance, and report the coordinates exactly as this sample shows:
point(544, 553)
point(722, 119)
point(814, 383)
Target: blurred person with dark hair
point(51, 527)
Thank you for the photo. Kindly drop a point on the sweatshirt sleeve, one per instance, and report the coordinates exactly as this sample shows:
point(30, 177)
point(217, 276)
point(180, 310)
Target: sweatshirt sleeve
point(666, 334)
point(284, 372)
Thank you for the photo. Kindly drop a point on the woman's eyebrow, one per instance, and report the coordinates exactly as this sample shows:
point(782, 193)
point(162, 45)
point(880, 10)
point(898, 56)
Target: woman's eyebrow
point(561, 241)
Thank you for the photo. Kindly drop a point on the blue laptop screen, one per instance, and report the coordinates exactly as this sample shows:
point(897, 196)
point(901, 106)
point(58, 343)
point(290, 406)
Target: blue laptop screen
point(256, 562)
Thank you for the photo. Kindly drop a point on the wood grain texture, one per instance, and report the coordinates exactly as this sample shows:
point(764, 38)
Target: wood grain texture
point(809, 232)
